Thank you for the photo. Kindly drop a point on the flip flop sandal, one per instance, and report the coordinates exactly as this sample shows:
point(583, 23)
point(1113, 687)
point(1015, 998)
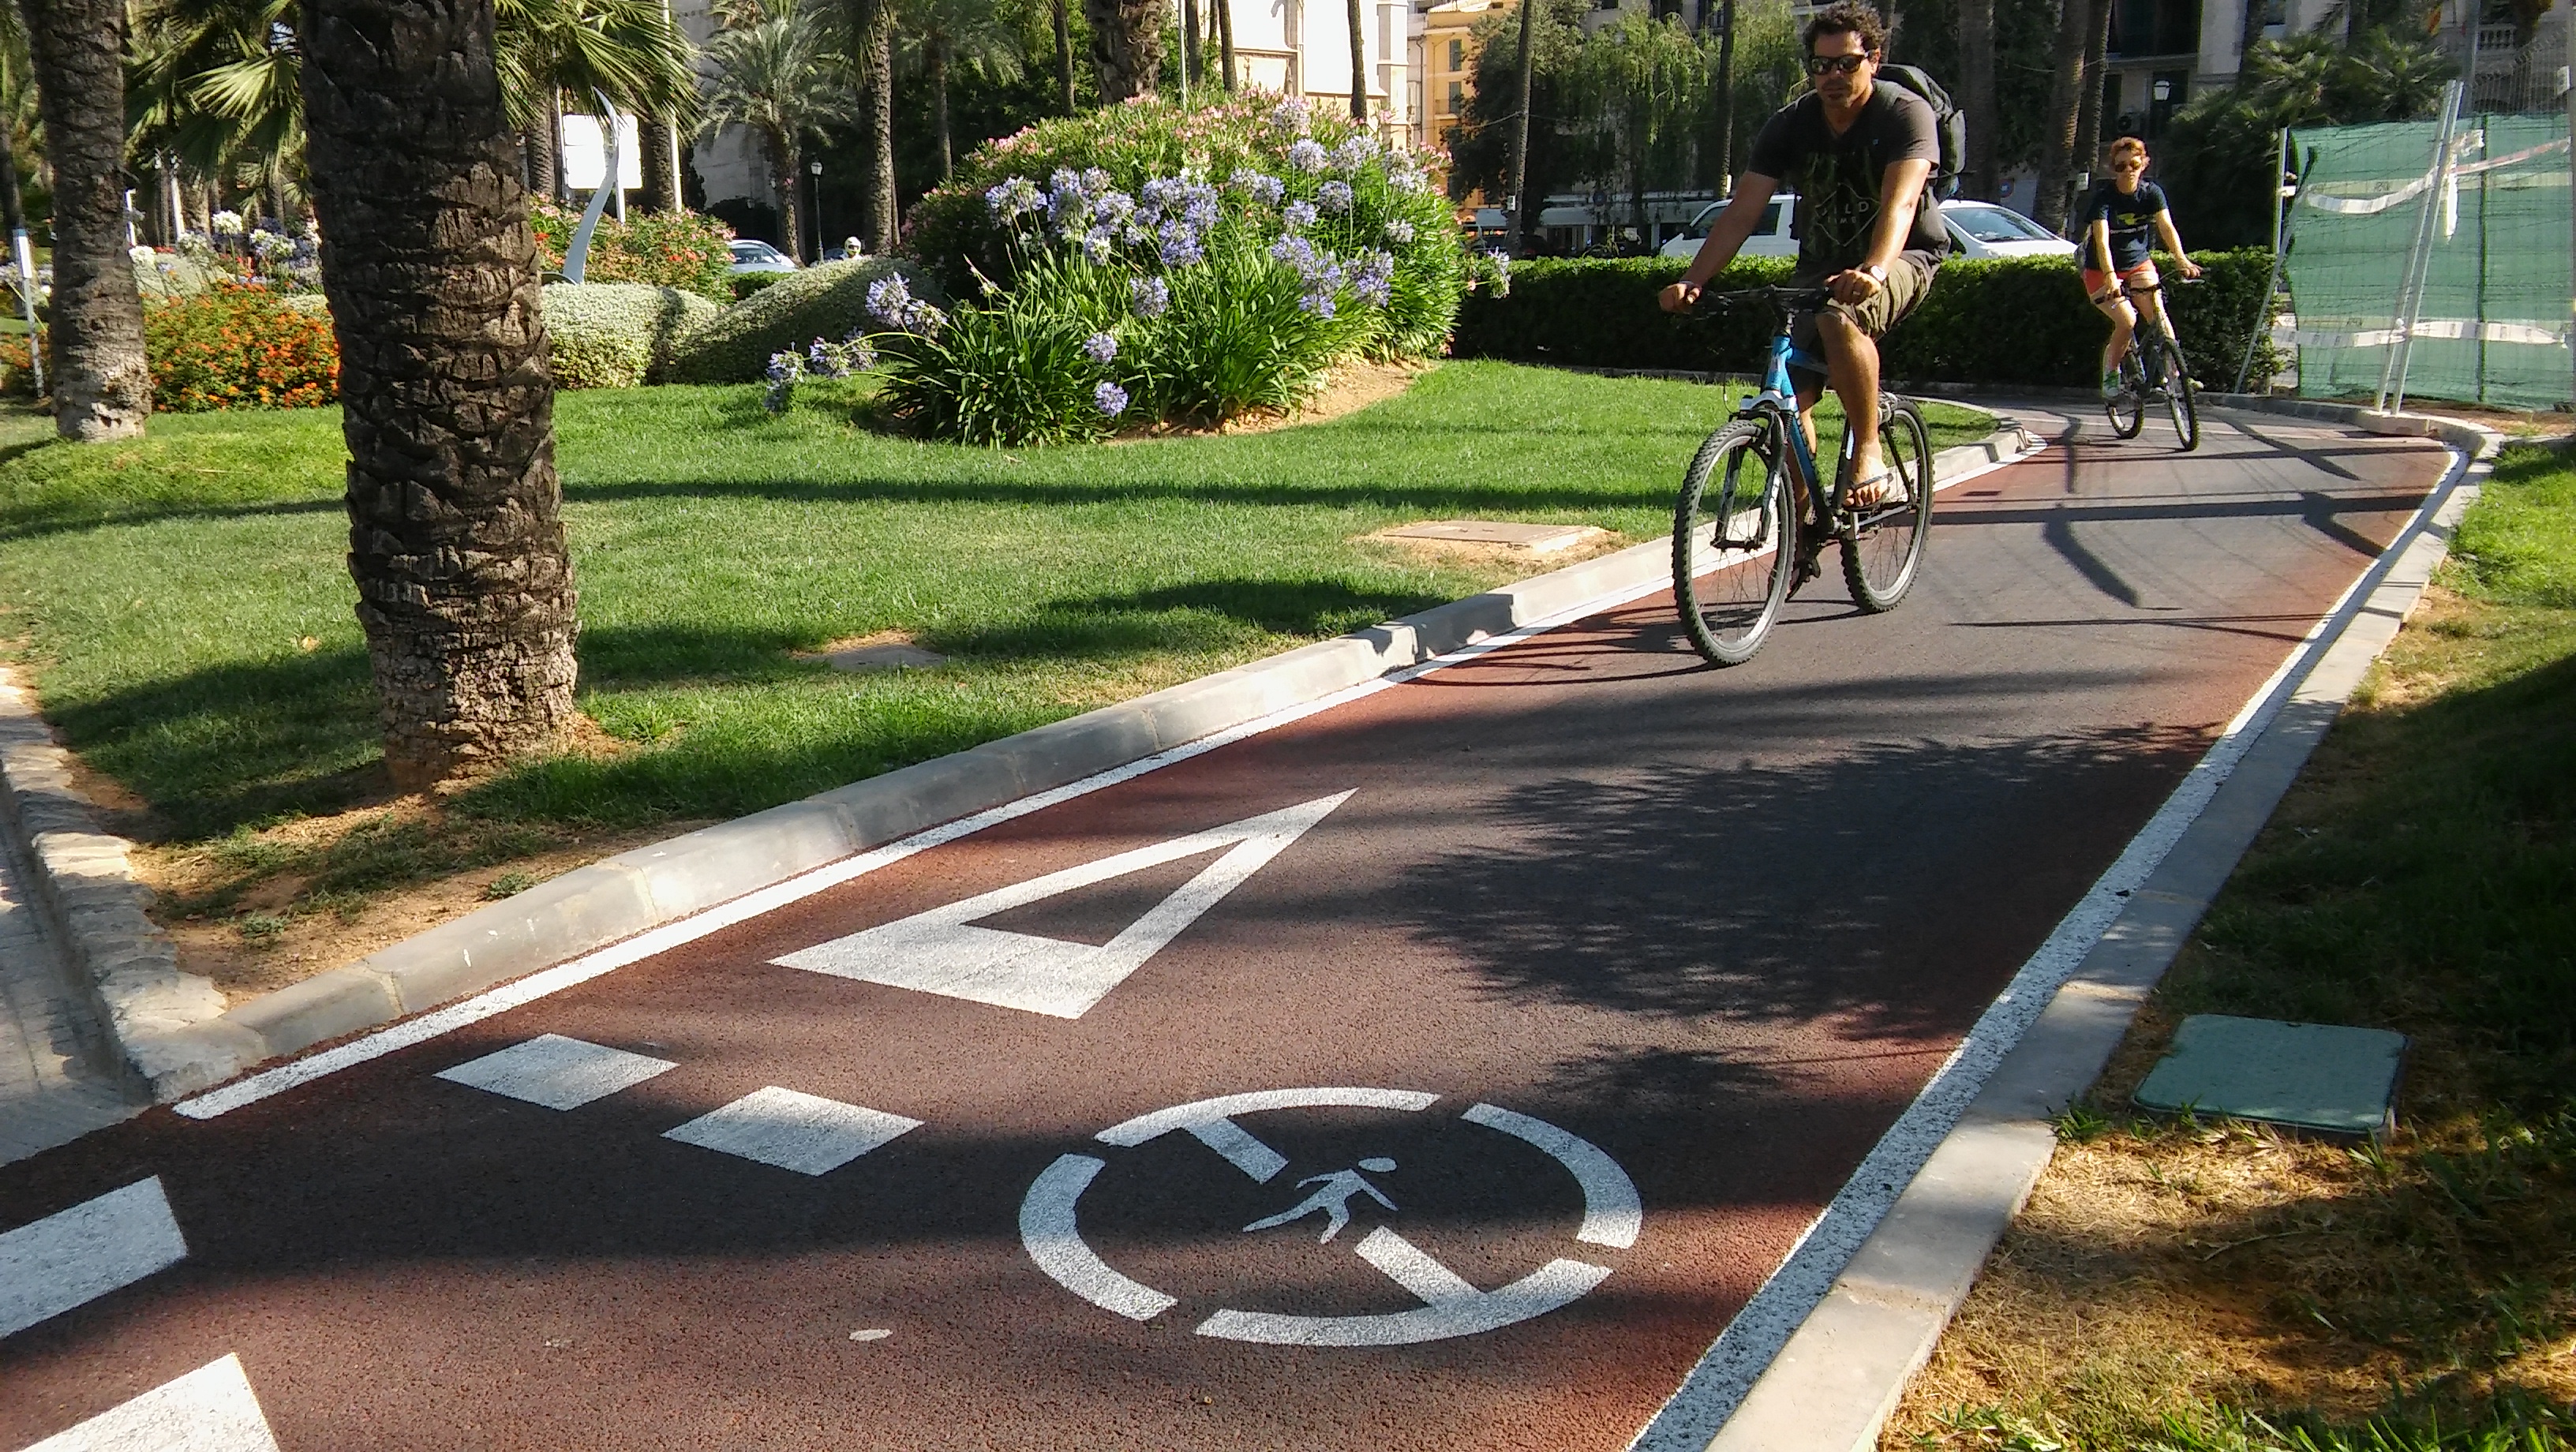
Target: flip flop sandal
point(1878, 491)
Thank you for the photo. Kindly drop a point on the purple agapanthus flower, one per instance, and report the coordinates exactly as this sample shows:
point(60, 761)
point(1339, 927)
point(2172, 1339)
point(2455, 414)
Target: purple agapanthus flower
point(890, 302)
point(1307, 154)
point(1297, 216)
point(1109, 398)
point(1151, 295)
point(1181, 245)
point(1097, 243)
point(1373, 278)
point(1334, 197)
point(1317, 301)
point(1400, 232)
point(1012, 199)
point(1289, 117)
point(1103, 348)
point(1267, 190)
point(1355, 153)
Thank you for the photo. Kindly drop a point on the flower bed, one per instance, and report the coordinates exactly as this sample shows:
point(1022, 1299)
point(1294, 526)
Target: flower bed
point(666, 249)
point(1175, 264)
point(237, 346)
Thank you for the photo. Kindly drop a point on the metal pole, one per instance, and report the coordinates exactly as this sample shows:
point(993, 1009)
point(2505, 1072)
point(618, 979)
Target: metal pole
point(26, 254)
point(2433, 203)
point(2570, 99)
point(2402, 319)
point(2282, 195)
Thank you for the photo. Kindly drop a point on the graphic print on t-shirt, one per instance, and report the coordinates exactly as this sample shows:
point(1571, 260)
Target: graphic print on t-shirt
point(2131, 216)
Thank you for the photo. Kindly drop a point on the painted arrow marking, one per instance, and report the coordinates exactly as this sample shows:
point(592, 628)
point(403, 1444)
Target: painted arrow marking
point(943, 952)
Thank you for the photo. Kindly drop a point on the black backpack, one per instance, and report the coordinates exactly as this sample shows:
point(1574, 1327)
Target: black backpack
point(1946, 119)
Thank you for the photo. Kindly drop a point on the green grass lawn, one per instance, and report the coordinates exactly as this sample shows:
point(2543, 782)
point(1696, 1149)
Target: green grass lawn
point(186, 608)
point(2420, 877)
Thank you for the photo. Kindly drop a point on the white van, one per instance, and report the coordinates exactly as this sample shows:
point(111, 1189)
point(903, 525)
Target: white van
point(1977, 229)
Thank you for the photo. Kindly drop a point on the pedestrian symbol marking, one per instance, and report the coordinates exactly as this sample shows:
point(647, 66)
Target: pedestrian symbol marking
point(1333, 1200)
point(943, 951)
point(1451, 1305)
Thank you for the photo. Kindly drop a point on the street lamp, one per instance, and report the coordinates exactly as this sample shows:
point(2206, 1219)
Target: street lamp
point(814, 168)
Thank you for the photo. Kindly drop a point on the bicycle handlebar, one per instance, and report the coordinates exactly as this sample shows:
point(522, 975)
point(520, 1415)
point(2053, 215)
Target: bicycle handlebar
point(1790, 299)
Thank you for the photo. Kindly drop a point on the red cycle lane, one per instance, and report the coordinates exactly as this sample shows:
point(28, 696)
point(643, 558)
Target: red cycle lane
point(1569, 982)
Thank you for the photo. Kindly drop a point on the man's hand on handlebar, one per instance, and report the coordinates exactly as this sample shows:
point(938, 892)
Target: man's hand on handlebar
point(1679, 297)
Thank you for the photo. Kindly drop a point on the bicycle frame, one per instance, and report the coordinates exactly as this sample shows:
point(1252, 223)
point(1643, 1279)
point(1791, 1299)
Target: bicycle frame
point(1778, 398)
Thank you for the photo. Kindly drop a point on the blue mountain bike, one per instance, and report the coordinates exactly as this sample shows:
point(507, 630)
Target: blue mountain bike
point(1753, 521)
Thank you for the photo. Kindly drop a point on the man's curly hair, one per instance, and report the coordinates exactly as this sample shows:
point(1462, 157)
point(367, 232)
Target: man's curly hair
point(1856, 17)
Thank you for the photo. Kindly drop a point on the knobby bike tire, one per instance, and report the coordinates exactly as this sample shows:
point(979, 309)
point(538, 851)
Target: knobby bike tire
point(2181, 399)
point(1883, 547)
point(1735, 503)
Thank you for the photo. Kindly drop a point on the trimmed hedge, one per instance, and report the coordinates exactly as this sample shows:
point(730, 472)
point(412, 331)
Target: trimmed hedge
point(2004, 321)
point(825, 301)
point(616, 334)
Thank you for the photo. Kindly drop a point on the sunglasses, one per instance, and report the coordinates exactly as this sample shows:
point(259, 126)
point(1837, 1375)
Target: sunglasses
point(1842, 65)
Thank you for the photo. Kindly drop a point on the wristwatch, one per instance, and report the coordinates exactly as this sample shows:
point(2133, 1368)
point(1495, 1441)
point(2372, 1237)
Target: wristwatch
point(1877, 274)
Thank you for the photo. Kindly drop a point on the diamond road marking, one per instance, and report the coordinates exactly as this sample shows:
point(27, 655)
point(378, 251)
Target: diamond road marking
point(557, 1072)
point(802, 1132)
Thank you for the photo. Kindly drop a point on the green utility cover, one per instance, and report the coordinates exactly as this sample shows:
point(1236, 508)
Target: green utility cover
point(2303, 1075)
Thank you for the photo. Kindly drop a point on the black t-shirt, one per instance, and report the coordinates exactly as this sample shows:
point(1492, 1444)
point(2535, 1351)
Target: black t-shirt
point(1836, 177)
point(2132, 216)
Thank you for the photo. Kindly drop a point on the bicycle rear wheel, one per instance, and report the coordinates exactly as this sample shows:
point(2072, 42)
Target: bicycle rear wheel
point(2181, 399)
point(2128, 409)
point(1883, 546)
point(1735, 543)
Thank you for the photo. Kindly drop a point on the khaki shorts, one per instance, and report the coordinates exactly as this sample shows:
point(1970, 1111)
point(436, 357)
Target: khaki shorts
point(1907, 281)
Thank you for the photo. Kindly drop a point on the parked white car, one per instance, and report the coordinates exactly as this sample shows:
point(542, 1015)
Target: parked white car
point(1977, 229)
point(752, 255)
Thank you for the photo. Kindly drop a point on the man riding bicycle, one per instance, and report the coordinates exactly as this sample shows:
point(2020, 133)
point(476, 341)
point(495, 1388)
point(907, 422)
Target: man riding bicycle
point(2119, 215)
point(1861, 156)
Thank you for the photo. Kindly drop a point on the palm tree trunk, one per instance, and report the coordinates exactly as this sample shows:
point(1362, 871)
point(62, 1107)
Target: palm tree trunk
point(1064, 50)
point(1359, 61)
point(2250, 32)
point(456, 536)
point(880, 213)
point(2057, 141)
point(1190, 44)
point(661, 173)
point(2088, 115)
point(102, 388)
point(538, 160)
point(1521, 210)
point(1977, 96)
point(939, 106)
point(782, 175)
point(13, 211)
point(1225, 39)
point(1126, 46)
point(1726, 102)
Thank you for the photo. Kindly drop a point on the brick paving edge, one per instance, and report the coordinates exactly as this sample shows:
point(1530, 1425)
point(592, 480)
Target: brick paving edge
point(1839, 1375)
point(176, 1037)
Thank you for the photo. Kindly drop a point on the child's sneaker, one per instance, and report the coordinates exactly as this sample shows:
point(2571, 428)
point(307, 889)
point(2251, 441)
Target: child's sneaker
point(2111, 384)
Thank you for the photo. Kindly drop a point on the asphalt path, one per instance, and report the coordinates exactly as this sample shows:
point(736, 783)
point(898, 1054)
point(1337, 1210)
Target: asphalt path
point(1636, 959)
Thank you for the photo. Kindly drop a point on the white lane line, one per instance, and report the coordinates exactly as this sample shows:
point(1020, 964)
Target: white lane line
point(1612, 1215)
point(942, 951)
point(226, 1098)
point(802, 1132)
point(1047, 1229)
point(75, 1256)
point(557, 1072)
point(211, 1409)
point(1717, 1386)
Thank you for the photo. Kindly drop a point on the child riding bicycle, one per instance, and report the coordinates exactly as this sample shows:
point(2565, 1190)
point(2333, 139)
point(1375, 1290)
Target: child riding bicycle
point(2120, 214)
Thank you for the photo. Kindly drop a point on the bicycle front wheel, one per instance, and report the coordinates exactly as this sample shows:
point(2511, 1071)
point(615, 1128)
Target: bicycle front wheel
point(2128, 407)
point(1883, 545)
point(2181, 399)
point(1735, 542)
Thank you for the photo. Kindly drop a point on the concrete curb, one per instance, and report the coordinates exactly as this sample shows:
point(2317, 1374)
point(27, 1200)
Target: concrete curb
point(1842, 1372)
point(166, 1025)
point(178, 1038)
